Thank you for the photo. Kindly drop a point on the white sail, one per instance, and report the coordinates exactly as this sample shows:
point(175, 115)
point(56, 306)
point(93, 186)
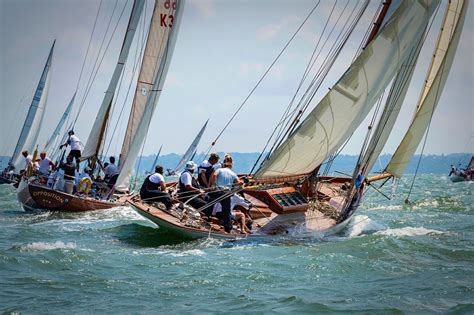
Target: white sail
point(94, 141)
point(191, 150)
point(152, 169)
point(160, 44)
point(29, 132)
point(436, 78)
point(345, 106)
point(392, 108)
point(53, 139)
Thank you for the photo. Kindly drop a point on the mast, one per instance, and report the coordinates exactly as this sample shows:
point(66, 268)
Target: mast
point(29, 132)
point(95, 140)
point(161, 40)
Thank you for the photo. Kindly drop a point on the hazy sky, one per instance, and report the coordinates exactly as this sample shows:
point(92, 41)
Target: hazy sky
point(222, 50)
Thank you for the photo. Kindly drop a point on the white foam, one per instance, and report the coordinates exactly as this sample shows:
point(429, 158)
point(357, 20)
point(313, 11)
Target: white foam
point(362, 224)
point(192, 252)
point(39, 246)
point(409, 231)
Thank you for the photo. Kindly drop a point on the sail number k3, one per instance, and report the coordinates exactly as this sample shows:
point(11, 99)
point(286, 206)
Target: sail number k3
point(166, 20)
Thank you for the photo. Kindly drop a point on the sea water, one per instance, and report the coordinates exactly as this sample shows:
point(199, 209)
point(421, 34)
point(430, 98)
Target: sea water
point(392, 258)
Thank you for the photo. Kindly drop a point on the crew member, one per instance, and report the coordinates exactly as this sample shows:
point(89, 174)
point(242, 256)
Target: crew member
point(206, 169)
point(69, 174)
point(189, 187)
point(45, 164)
point(154, 188)
point(111, 172)
point(224, 179)
point(75, 144)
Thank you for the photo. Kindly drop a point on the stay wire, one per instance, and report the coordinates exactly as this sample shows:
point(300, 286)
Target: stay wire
point(261, 79)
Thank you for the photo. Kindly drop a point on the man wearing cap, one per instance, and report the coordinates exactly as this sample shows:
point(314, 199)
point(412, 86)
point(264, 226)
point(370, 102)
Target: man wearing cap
point(75, 144)
point(45, 163)
point(189, 187)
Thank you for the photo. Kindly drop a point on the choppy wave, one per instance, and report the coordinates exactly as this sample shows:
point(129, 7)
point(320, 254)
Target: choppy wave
point(362, 224)
point(41, 246)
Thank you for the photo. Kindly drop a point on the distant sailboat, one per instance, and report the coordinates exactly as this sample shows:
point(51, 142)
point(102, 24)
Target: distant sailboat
point(152, 168)
point(190, 152)
point(34, 118)
point(156, 58)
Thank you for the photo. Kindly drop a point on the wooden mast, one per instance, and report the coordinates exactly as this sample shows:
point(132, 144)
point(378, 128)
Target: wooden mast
point(378, 22)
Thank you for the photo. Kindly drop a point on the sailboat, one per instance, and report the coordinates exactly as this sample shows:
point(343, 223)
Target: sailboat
point(156, 58)
point(152, 168)
point(462, 175)
point(287, 193)
point(30, 130)
point(189, 154)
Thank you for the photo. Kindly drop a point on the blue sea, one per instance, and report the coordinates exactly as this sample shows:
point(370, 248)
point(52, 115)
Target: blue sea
point(393, 258)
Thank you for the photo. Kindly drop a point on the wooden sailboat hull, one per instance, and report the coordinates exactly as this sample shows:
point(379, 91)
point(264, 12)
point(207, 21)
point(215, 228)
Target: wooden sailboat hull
point(24, 198)
point(170, 224)
point(49, 199)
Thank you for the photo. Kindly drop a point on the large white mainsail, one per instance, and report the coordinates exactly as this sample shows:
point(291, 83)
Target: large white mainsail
point(158, 51)
point(94, 141)
point(29, 132)
point(344, 107)
point(436, 78)
point(191, 150)
point(53, 139)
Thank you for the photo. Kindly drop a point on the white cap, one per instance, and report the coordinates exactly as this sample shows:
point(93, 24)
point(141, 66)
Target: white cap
point(190, 166)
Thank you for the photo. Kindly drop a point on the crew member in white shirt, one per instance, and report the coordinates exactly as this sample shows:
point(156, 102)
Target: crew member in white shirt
point(75, 144)
point(45, 164)
point(111, 172)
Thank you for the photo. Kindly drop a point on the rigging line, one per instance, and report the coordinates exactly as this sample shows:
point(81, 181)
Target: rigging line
point(100, 63)
point(407, 200)
point(100, 50)
point(88, 47)
point(367, 32)
point(264, 75)
point(295, 113)
point(285, 113)
point(315, 83)
point(319, 71)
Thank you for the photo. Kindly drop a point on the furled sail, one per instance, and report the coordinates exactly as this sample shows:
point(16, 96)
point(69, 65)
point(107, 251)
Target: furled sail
point(157, 57)
point(53, 139)
point(345, 106)
point(94, 141)
point(436, 78)
point(29, 132)
point(152, 169)
point(187, 156)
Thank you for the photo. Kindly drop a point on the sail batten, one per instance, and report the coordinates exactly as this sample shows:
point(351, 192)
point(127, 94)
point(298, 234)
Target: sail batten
point(95, 140)
point(345, 106)
point(437, 74)
point(157, 57)
point(30, 130)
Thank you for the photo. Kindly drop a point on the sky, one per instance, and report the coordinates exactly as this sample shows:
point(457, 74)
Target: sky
point(222, 50)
